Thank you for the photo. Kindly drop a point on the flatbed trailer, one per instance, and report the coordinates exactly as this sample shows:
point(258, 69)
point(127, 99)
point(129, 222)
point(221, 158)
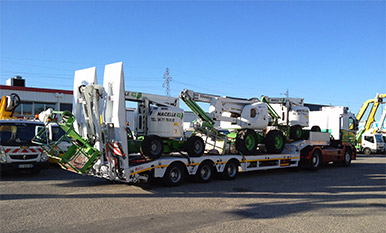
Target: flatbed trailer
point(174, 168)
point(100, 142)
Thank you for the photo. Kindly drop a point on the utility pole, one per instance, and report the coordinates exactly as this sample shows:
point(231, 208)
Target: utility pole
point(166, 83)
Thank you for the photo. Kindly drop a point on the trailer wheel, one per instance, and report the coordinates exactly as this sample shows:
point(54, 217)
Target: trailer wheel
point(175, 174)
point(347, 158)
point(274, 142)
point(195, 146)
point(367, 151)
point(204, 172)
point(296, 132)
point(152, 146)
point(246, 141)
point(316, 160)
point(231, 170)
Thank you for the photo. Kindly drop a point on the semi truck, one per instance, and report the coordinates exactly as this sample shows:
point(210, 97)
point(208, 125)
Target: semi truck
point(17, 151)
point(101, 147)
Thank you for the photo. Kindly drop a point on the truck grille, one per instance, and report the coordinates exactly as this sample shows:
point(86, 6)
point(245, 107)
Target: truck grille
point(24, 157)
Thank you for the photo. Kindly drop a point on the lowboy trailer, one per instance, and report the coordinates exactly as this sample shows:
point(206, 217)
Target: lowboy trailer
point(100, 142)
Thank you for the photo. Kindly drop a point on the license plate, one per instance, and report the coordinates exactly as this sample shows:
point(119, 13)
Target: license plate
point(25, 166)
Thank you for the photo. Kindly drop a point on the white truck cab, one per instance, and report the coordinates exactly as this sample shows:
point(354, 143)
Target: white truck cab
point(17, 151)
point(372, 143)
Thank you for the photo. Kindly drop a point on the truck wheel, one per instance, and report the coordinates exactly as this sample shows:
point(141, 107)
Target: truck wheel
point(152, 146)
point(246, 141)
point(175, 174)
point(296, 132)
point(204, 172)
point(316, 160)
point(367, 151)
point(274, 142)
point(347, 159)
point(195, 146)
point(231, 170)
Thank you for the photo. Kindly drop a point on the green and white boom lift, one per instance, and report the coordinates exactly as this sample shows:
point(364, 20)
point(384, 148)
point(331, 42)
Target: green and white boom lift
point(289, 114)
point(158, 127)
point(247, 120)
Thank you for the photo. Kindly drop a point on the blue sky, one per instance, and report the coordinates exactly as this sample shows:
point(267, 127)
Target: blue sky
point(328, 52)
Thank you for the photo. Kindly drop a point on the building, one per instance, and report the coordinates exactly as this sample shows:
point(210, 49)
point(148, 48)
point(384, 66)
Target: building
point(36, 100)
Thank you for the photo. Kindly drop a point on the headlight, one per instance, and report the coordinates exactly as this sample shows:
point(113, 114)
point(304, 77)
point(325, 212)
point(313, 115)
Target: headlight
point(44, 157)
point(3, 155)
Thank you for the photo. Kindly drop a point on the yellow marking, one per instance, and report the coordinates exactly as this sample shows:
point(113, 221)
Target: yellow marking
point(192, 164)
point(147, 169)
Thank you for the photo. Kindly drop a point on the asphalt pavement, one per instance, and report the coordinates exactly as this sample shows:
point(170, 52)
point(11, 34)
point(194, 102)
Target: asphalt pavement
point(333, 199)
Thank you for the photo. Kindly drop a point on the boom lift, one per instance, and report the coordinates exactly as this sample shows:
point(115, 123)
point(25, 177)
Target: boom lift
point(291, 113)
point(158, 123)
point(254, 121)
point(243, 116)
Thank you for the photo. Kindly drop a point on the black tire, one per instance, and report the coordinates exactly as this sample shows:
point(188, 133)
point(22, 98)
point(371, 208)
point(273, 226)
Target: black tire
point(231, 170)
point(195, 146)
point(175, 174)
point(315, 128)
point(204, 172)
point(274, 142)
point(152, 146)
point(367, 151)
point(246, 141)
point(296, 132)
point(316, 160)
point(347, 158)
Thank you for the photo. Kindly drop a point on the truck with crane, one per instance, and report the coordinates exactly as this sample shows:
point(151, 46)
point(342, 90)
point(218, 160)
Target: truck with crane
point(97, 129)
point(17, 151)
point(371, 140)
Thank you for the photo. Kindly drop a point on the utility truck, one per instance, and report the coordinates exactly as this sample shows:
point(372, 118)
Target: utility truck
point(97, 128)
point(370, 140)
point(17, 152)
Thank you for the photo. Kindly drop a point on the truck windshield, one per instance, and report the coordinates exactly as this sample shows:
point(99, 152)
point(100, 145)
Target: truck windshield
point(17, 134)
point(379, 138)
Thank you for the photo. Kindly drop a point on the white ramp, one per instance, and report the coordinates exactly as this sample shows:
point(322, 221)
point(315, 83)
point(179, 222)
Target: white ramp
point(115, 110)
point(82, 77)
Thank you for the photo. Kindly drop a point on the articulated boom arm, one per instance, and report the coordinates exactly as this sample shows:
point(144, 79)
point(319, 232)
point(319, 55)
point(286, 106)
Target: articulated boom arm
point(158, 100)
point(379, 99)
point(188, 97)
point(382, 121)
point(219, 105)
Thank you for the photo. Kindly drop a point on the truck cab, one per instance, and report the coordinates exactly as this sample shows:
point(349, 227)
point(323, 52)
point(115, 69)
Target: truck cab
point(17, 151)
point(372, 143)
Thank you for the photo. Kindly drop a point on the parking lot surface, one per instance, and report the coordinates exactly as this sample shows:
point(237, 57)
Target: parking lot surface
point(333, 199)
